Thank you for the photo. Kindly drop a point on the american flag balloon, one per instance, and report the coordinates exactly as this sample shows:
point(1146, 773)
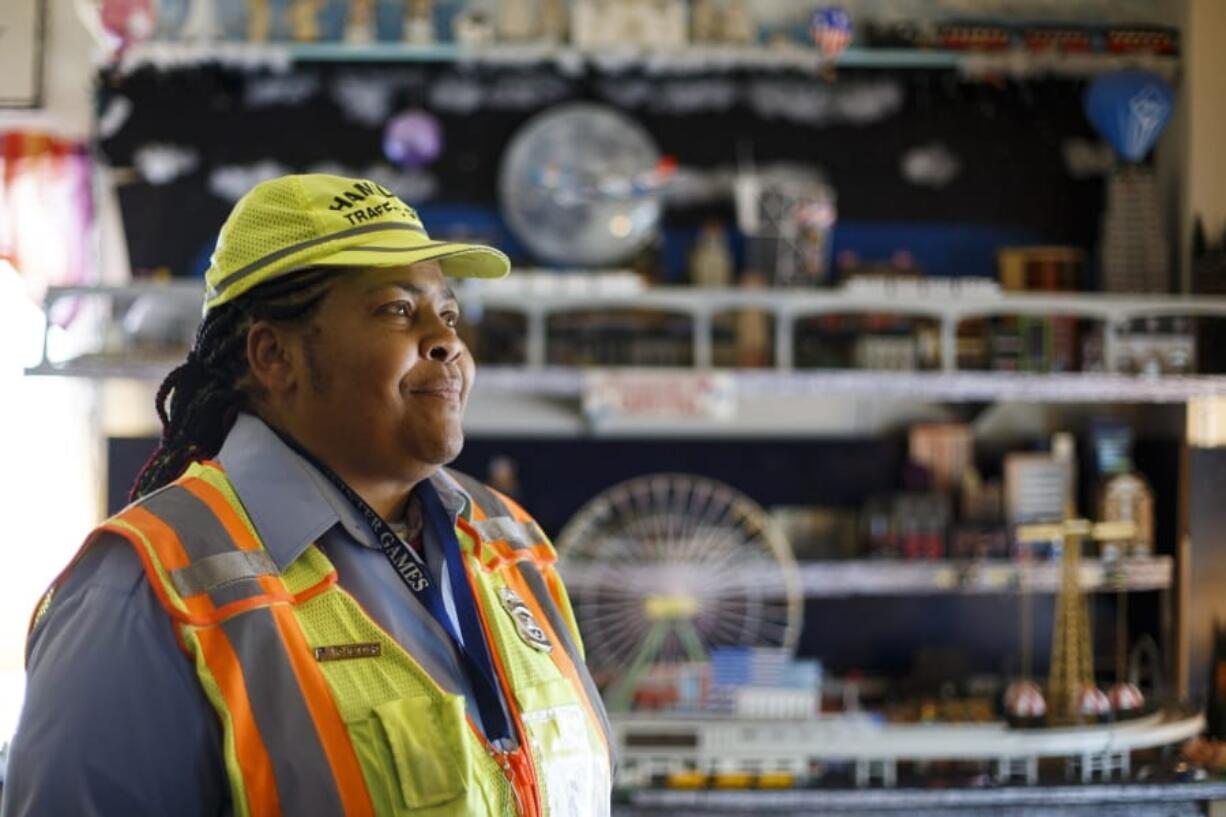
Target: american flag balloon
point(831, 29)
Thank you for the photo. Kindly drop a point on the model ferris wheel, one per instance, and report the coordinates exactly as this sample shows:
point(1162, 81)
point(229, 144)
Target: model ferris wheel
point(663, 568)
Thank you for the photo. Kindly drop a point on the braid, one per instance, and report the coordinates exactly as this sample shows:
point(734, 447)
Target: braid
point(199, 399)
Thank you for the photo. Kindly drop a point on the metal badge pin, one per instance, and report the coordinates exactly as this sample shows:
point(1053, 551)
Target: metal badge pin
point(525, 623)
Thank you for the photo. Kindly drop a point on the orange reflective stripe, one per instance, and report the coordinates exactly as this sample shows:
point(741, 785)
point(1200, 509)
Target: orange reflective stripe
point(242, 605)
point(171, 555)
point(163, 537)
point(315, 590)
point(333, 735)
point(553, 583)
point(249, 749)
point(201, 612)
point(478, 513)
point(525, 777)
point(238, 531)
point(494, 554)
point(484, 552)
point(223, 510)
point(198, 520)
point(561, 658)
point(544, 555)
point(491, 555)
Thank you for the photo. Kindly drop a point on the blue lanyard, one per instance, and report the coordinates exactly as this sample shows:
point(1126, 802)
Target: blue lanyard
point(472, 648)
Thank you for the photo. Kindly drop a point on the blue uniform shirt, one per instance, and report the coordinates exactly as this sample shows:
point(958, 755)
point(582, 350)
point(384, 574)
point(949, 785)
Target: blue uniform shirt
point(115, 721)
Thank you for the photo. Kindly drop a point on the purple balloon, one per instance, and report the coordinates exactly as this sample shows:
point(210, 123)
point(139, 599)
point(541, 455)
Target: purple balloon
point(412, 139)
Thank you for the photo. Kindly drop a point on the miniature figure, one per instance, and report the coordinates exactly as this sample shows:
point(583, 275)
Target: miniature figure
point(360, 25)
point(259, 20)
point(200, 23)
point(304, 20)
point(710, 258)
point(419, 22)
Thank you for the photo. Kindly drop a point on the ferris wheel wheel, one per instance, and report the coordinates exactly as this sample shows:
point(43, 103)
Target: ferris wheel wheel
point(664, 568)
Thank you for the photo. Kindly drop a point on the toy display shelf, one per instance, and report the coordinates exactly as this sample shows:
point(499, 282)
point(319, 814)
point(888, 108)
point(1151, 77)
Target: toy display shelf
point(935, 387)
point(949, 302)
point(687, 59)
point(951, 387)
point(890, 577)
point(854, 736)
point(652, 744)
point(946, 302)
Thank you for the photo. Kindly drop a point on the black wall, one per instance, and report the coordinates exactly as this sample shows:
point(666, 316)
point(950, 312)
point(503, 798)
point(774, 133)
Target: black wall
point(1013, 186)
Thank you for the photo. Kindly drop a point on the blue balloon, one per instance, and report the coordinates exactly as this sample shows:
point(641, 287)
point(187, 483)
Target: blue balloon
point(1130, 109)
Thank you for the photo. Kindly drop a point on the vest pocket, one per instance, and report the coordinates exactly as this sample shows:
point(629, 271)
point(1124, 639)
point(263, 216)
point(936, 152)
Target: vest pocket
point(432, 759)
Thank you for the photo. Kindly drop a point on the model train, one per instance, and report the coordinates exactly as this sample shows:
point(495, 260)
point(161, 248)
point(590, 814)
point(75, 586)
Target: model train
point(699, 751)
point(996, 35)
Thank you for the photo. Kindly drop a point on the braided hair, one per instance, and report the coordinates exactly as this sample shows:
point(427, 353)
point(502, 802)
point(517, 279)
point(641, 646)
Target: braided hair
point(198, 401)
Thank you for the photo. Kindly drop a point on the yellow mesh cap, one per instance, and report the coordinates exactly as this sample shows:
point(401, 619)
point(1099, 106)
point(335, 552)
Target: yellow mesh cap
point(296, 222)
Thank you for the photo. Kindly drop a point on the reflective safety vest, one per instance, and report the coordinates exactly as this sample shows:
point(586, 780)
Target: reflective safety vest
point(323, 713)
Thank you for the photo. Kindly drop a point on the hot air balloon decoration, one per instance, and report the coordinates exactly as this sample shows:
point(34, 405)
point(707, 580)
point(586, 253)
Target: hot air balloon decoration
point(1130, 109)
point(831, 30)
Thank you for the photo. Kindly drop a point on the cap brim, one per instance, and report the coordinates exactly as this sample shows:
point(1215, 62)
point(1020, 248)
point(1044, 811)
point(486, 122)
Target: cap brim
point(457, 260)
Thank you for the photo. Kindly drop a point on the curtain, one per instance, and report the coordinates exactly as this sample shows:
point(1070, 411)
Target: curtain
point(46, 211)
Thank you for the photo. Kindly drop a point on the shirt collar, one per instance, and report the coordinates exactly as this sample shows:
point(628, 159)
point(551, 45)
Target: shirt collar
point(291, 504)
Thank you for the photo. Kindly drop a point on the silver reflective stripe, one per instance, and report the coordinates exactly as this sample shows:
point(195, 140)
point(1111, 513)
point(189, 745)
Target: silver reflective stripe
point(222, 569)
point(256, 266)
point(506, 529)
point(301, 769)
point(204, 538)
point(305, 784)
point(236, 591)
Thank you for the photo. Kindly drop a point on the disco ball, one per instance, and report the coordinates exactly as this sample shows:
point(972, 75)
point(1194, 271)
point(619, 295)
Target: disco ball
point(581, 185)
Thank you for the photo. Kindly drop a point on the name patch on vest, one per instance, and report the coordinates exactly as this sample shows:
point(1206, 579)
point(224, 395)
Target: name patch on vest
point(341, 652)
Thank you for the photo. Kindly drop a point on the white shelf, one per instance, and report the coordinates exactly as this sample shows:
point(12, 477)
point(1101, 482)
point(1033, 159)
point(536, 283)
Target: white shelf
point(883, 577)
point(851, 738)
point(752, 385)
point(544, 401)
point(548, 403)
point(685, 60)
point(994, 576)
point(946, 302)
point(1144, 799)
